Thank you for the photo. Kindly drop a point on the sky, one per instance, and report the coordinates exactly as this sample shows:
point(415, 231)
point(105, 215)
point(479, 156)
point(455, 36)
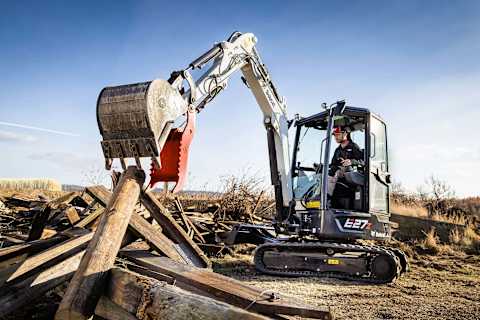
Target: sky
point(415, 63)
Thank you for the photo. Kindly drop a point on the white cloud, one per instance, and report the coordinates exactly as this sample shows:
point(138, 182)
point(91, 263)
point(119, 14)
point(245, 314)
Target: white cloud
point(65, 160)
point(8, 136)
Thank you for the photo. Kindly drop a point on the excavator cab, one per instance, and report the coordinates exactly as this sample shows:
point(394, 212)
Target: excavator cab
point(358, 205)
point(324, 225)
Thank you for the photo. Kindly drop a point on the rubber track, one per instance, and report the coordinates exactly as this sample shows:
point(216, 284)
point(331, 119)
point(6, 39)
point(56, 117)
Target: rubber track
point(337, 247)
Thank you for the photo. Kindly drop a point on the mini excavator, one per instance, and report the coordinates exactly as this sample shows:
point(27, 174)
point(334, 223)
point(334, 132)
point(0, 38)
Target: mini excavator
point(316, 234)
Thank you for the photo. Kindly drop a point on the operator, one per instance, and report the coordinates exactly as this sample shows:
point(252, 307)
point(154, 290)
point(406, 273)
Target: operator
point(346, 155)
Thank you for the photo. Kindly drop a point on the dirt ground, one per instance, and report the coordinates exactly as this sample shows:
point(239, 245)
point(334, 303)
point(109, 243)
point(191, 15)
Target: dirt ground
point(437, 287)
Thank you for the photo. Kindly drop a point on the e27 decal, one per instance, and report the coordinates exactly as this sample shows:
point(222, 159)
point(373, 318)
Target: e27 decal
point(354, 223)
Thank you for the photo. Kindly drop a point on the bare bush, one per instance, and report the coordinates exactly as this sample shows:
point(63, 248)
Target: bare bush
point(245, 196)
point(96, 175)
point(439, 196)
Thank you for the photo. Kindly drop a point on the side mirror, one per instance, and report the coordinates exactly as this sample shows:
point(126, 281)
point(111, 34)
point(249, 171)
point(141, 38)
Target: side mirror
point(388, 178)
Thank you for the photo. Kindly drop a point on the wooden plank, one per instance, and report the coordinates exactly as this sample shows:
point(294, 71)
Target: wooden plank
point(90, 218)
point(30, 247)
point(72, 215)
point(39, 222)
point(195, 230)
point(20, 294)
point(174, 231)
point(63, 200)
point(224, 288)
point(44, 259)
point(99, 193)
point(85, 288)
point(182, 215)
point(48, 233)
point(155, 239)
point(11, 239)
point(24, 292)
point(149, 298)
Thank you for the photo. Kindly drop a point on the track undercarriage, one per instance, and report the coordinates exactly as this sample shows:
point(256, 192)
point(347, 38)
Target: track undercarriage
point(366, 263)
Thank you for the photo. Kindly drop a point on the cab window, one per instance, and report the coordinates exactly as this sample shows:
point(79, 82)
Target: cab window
point(378, 165)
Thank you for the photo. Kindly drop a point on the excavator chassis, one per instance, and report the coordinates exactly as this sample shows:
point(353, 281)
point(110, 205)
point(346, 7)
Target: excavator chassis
point(370, 264)
point(331, 252)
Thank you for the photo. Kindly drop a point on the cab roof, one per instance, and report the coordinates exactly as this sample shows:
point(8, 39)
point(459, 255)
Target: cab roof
point(349, 111)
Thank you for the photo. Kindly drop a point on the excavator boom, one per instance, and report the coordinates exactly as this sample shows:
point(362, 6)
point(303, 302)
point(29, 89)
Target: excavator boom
point(137, 120)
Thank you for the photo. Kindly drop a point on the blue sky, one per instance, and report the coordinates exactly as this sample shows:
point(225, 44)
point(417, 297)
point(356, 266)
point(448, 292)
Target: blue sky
point(413, 62)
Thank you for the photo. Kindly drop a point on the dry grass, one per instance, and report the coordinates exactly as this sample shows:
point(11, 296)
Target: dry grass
point(467, 241)
point(431, 244)
point(30, 184)
point(460, 219)
point(431, 241)
point(411, 211)
point(421, 212)
point(455, 236)
point(470, 241)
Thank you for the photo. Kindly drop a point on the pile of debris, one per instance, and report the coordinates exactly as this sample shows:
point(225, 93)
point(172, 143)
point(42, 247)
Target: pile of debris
point(27, 217)
point(209, 223)
point(209, 218)
point(124, 256)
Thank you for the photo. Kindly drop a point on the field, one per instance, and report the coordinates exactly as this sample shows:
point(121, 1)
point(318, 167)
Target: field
point(437, 287)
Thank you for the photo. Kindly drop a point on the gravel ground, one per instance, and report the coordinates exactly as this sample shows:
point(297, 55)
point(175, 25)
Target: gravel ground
point(437, 287)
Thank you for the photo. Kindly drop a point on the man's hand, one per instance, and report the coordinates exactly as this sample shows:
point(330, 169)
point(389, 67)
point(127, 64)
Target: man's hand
point(346, 162)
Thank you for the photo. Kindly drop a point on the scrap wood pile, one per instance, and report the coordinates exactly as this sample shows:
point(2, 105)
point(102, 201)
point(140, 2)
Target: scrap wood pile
point(27, 217)
point(127, 258)
point(207, 218)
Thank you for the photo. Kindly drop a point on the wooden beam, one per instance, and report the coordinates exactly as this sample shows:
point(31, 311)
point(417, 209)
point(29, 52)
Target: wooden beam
point(19, 294)
point(33, 246)
point(9, 254)
point(44, 259)
point(224, 288)
point(90, 218)
point(39, 222)
point(149, 298)
point(174, 231)
point(86, 286)
point(155, 239)
point(100, 194)
point(72, 215)
point(24, 292)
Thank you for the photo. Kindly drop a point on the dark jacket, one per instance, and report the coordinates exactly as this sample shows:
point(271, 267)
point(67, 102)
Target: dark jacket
point(351, 151)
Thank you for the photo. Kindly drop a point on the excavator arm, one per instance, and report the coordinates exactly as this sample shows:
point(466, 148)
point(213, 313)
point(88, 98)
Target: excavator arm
point(136, 120)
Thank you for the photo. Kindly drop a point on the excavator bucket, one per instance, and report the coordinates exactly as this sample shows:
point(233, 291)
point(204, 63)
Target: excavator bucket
point(135, 121)
point(174, 156)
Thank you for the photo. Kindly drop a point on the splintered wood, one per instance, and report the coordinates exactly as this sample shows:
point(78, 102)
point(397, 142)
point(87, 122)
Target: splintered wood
point(125, 255)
